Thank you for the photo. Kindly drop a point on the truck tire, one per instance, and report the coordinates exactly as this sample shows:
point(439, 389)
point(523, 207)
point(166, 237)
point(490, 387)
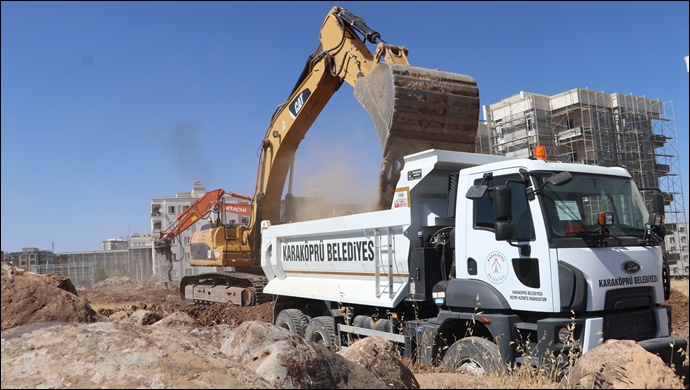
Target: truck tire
point(293, 320)
point(321, 330)
point(475, 354)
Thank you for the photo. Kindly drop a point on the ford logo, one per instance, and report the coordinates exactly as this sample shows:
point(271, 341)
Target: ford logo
point(630, 267)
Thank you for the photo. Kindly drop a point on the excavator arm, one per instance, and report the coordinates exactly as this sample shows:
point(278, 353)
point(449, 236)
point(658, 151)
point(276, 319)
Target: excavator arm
point(412, 108)
point(201, 208)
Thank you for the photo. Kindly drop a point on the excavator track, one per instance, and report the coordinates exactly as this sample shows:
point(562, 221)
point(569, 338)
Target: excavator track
point(415, 109)
point(238, 288)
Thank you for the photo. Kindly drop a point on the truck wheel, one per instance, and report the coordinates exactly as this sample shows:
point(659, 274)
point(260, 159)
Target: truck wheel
point(293, 320)
point(321, 330)
point(474, 354)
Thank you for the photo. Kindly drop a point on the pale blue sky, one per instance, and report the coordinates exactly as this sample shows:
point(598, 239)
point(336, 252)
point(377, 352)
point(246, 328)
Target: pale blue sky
point(106, 105)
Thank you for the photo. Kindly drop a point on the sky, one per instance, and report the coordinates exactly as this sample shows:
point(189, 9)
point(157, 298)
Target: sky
point(105, 105)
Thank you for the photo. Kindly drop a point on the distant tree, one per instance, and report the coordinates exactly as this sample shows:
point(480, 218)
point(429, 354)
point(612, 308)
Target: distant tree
point(99, 276)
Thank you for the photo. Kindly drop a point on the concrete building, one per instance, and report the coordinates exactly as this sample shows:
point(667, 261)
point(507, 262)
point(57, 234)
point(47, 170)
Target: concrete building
point(112, 244)
point(84, 267)
point(587, 127)
point(164, 212)
point(31, 259)
point(677, 249)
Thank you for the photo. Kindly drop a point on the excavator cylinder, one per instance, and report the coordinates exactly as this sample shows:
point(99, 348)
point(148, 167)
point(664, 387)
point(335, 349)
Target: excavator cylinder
point(415, 109)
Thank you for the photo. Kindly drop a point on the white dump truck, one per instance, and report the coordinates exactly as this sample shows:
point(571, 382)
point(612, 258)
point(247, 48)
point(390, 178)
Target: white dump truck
point(481, 261)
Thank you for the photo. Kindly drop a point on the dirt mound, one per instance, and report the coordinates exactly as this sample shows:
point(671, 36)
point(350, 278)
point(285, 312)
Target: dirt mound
point(622, 364)
point(380, 356)
point(125, 296)
point(679, 313)
point(29, 298)
point(123, 283)
point(116, 355)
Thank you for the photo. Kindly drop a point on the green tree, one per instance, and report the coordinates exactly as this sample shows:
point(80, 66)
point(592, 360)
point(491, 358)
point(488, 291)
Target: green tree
point(99, 276)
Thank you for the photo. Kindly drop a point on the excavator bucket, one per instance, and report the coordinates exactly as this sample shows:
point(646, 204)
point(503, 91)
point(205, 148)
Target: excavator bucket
point(415, 109)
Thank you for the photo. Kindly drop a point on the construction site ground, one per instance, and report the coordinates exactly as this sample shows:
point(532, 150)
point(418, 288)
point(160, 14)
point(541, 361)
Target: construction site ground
point(26, 301)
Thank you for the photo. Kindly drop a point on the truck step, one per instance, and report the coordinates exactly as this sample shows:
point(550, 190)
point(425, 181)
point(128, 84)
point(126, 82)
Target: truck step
point(526, 326)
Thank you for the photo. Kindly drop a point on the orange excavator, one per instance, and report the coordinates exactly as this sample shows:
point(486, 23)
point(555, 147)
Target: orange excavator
point(413, 109)
point(213, 202)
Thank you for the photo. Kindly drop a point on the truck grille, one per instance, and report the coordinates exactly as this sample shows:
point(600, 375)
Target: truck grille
point(636, 325)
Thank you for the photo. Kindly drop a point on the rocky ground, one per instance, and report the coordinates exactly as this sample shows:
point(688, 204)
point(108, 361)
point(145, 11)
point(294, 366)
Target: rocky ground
point(127, 334)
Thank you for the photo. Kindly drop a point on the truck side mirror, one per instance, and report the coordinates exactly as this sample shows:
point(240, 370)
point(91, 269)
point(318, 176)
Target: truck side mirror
point(658, 203)
point(504, 230)
point(560, 179)
point(475, 192)
point(503, 206)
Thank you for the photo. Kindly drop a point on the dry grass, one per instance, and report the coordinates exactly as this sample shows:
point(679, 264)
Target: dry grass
point(681, 285)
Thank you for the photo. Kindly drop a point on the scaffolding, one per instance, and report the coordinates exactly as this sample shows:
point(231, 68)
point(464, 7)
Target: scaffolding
point(516, 124)
point(589, 127)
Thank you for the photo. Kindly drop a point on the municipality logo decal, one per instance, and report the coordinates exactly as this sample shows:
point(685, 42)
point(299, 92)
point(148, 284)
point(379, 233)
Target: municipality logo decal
point(496, 267)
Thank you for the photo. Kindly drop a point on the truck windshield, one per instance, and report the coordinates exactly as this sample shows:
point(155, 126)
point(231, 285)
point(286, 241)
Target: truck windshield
point(572, 210)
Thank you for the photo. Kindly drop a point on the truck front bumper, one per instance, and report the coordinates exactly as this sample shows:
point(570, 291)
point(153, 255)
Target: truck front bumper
point(670, 349)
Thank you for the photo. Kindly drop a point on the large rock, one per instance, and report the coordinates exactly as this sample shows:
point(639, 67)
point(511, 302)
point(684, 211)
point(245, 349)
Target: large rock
point(287, 361)
point(29, 298)
point(380, 356)
point(621, 364)
point(144, 317)
point(116, 355)
point(177, 319)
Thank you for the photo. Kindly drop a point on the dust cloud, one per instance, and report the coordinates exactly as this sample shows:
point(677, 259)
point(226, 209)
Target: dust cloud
point(331, 182)
point(187, 153)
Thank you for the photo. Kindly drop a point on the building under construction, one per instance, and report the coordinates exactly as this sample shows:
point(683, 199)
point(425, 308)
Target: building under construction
point(587, 127)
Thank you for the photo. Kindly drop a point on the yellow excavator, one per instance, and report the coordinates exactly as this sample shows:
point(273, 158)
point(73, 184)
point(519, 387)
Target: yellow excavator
point(412, 108)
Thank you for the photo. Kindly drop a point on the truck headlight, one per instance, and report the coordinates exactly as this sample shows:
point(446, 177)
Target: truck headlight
point(563, 334)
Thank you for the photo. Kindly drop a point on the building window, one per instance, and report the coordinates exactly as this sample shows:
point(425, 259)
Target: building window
point(171, 209)
point(186, 241)
point(501, 132)
point(671, 240)
point(602, 120)
point(529, 123)
point(570, 123)
point(684, 239)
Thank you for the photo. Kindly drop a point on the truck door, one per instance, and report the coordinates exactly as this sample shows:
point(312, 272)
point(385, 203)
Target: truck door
point(517, 270)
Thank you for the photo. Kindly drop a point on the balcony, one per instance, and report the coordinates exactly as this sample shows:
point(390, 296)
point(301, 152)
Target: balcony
point(569, 135)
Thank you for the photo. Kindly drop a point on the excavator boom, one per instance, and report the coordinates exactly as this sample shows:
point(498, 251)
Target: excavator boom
point(199, 209)
point(412, 108)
